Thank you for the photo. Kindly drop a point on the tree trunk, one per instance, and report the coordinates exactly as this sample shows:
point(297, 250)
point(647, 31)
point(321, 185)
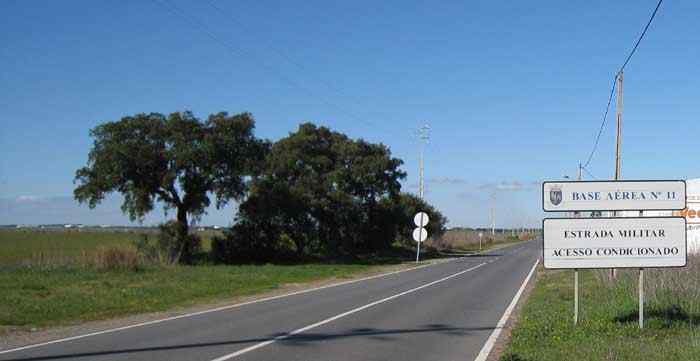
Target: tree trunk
point(182, 220)
point(182, 230)
point(300, 245)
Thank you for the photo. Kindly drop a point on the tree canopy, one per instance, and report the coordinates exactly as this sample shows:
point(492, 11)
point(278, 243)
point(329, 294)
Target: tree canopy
point(176, 160)
point(321, 193)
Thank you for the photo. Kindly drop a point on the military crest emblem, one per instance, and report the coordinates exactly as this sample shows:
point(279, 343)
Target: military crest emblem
point(555, 195)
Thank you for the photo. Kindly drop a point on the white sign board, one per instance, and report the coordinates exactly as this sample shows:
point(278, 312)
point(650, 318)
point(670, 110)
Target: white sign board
point(420, 219)
point(613, 195)
point(614, 242)
point(420, 234)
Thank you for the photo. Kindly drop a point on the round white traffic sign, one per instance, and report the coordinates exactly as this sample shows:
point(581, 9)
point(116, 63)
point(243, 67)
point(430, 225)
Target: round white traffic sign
point(420, 234)
point(420, 219)
point(481, 234)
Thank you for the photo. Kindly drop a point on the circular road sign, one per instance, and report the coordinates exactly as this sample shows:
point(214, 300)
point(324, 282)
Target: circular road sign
point(420, 219)
point(420, 234)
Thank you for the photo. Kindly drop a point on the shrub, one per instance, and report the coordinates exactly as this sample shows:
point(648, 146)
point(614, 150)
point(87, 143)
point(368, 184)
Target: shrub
point(148, 249)
point(250, 242)
point(169, 247)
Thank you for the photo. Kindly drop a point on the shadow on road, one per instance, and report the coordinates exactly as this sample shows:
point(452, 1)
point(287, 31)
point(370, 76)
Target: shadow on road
point(296, 340)
point(472, 255)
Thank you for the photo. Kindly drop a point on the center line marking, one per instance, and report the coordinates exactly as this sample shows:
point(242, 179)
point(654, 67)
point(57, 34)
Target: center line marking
point(339, 316)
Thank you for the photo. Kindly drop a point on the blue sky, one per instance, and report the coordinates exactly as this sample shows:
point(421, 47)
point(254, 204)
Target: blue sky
point(513, 91)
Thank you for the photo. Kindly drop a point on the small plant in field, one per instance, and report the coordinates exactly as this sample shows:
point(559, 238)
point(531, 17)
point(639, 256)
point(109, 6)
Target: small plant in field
point(112, 258)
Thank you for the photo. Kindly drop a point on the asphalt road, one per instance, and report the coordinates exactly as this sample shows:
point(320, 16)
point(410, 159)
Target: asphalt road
point(445, 311)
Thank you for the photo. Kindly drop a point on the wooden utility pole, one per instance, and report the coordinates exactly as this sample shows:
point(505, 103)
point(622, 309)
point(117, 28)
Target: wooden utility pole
point(576, 214)
point(493, 215)
point(618, 139)
point(424, 136)
point(618, 116)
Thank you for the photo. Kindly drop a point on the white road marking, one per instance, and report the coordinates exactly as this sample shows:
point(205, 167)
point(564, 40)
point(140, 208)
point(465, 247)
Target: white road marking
point(344, 314)
point(223, 308)
point(491, 341)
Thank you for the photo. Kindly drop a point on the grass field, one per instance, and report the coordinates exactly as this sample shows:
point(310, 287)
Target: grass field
point(43, 297)
point(38, 246)
point(43, 281)
point(608, 328)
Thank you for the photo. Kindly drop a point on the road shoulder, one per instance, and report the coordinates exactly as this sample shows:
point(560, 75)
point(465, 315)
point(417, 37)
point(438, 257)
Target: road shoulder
point(504, 338)
point(13, 338)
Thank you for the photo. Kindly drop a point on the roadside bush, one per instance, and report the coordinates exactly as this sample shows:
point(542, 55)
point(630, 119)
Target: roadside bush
point(249, 242)
point(405, 207)
point(147, 248)
point(169, 247)
point(177, 248)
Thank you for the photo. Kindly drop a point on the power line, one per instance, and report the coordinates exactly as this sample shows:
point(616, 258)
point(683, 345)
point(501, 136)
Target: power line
point(177, 11)
point(634, 49)
point(279, 52)
point(589, 173)
point(602, 125)
point(612, 89)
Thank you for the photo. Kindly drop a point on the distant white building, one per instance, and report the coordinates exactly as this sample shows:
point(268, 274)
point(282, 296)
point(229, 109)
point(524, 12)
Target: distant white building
point(691, 214)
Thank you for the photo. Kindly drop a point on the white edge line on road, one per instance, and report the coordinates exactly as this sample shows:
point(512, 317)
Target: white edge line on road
point(491, 341)
point(344, 314)
point(222, 308)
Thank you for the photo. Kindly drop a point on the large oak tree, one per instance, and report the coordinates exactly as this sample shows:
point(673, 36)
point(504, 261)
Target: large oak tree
point(177, 160)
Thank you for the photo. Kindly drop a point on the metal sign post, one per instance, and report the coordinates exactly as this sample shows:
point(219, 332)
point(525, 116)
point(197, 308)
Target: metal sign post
point(418, 252)
point(575, 296)
point(641, 298)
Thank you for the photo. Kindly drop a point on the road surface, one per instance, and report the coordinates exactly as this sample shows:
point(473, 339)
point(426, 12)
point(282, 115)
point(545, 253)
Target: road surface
point(446, 311)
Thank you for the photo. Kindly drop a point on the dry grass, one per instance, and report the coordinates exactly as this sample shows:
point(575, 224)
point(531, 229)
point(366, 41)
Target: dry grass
point(608, 324)
point(468, 239)
point(676, 286)
point(58, 247)
point(673, 293)
point(112, 258)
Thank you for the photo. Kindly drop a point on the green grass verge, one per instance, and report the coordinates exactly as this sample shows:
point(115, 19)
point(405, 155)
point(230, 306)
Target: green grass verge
point(32, 297)
point(608, 328)
point(41, 284)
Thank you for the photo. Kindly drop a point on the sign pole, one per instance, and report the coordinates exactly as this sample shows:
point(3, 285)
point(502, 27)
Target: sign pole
point(575, 296)
point(641, 298)
point(421, 222)
point(418, 252)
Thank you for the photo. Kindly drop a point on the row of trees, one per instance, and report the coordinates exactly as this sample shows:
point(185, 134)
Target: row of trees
point(314, 193)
